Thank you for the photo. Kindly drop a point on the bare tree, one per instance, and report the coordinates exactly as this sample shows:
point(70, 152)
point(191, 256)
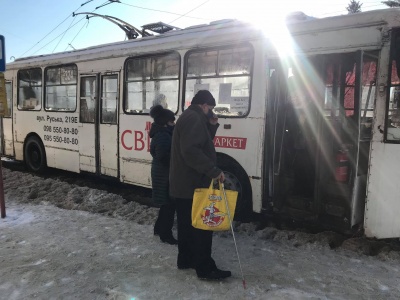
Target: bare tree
point(392, 3)
point(354, 7)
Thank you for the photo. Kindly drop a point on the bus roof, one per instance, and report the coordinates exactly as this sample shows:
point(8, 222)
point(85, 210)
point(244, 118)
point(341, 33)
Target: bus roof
point(215, 32)
point(193, 36)
point(389, 16)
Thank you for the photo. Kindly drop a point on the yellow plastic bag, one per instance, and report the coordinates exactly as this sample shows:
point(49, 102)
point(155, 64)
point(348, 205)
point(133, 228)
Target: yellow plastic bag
point(209, 209)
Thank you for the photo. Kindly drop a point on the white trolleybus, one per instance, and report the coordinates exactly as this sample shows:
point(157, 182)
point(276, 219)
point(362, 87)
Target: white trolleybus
point(309, 119)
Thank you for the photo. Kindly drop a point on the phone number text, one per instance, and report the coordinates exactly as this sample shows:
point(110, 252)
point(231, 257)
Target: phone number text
point(59, 129)
point(60, 139)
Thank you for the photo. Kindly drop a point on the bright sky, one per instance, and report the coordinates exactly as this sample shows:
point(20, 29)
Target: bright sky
point(34, 27)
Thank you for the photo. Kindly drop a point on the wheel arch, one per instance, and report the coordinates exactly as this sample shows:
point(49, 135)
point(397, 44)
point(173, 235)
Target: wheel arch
point(225, 157)
point(28, 136)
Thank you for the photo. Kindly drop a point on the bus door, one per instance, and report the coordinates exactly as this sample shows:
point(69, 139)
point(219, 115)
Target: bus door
point(98, 147)
point(319, 135)
point(350, 81)
point(382, 204)
point(292, 135)
point(7, 141)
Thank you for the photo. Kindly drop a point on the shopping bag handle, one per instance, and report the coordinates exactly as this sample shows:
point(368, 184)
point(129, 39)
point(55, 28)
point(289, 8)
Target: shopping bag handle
point(220, 184)
point(211, 187)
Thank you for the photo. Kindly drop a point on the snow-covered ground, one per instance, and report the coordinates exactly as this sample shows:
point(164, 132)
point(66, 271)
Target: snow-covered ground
point(63, 241)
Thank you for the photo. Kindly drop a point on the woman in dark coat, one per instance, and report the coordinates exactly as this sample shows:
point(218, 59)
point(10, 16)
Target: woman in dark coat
point(160, 149)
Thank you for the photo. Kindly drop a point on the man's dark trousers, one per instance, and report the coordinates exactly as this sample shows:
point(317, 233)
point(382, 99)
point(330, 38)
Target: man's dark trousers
point(194, 245)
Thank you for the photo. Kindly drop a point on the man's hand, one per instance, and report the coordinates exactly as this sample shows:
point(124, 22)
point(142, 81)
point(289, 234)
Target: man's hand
point(213, 120)
point(220, 177)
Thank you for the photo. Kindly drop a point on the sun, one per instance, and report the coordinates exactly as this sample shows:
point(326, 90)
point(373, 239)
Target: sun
point(269, 18)
point(266, 16)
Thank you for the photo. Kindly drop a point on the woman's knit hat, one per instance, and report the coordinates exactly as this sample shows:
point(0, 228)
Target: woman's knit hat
point(161, 115)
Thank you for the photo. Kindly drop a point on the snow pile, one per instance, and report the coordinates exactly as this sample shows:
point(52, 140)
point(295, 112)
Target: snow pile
point(81, 253)
point(28, 188)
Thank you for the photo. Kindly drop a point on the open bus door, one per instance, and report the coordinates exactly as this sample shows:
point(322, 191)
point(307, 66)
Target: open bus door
point(350, 84)
point(318, 136)
point(292, 128)
point(382, 206)
point(98, 149)
point(7, 141)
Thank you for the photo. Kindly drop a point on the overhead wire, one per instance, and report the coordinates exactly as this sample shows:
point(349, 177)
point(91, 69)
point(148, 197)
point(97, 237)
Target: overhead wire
point(184, 15)
point(76, 35)
point(58, 36)
point(105, 3)
point(83, 4)
point(150, 9)
point(86, 2)
point(164, 11)
point(53, 30)
point(48, 34)
point(43, 37)
point(73, 22)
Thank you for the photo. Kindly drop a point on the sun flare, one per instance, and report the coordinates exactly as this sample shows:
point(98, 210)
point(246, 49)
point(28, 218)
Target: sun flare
point(271, 20)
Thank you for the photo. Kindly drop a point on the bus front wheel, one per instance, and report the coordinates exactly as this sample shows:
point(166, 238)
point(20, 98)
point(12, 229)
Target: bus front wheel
point(35, 155)
point(236, 179)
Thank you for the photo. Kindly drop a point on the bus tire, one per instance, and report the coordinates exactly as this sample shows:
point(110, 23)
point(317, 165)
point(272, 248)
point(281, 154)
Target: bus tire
point(35, 155)
point(237, 179)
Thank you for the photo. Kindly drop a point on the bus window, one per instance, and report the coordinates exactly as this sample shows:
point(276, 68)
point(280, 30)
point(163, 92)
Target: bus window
point(340, 74)
point(368, 81)
point(109, 99)
point(331, 90)
point(393, 126)
point(368, 85)
point(88, 98)
point(9, 98)
point(30, 89)
point(226, 73)
point(150, 81)
point(202, 64)
point(61, 84)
